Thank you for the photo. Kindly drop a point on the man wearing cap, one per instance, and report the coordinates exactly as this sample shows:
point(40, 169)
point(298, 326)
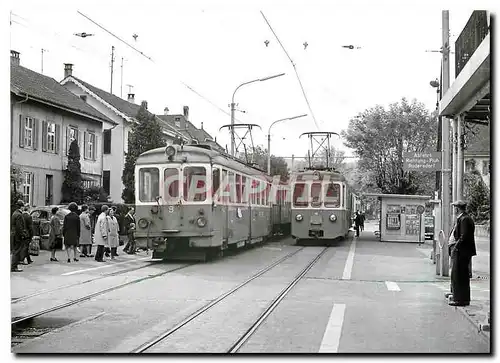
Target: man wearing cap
point(18, 234)
point(461, 254)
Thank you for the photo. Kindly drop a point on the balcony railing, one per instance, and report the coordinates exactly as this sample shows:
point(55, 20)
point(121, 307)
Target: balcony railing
point(470, 38)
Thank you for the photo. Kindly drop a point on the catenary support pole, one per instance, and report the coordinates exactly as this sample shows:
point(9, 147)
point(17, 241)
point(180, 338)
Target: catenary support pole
point(446, 168)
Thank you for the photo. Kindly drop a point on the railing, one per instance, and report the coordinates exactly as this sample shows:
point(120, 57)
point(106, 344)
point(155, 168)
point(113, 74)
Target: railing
point(470, 38)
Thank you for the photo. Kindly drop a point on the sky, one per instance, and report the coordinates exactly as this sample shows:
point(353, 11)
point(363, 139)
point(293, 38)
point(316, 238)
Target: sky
point(197, 53)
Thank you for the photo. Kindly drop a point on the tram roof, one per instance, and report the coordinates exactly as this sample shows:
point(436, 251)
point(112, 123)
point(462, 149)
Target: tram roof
point(200, 154)
point(321, 174)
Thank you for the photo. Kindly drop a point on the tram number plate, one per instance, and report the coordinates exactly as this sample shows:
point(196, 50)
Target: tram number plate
point(240, 244)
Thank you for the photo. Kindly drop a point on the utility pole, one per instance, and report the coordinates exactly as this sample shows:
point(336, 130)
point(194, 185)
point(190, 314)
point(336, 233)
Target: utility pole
point(121, 84)
point(112, 61)
point(446, 167)
point(232, 127)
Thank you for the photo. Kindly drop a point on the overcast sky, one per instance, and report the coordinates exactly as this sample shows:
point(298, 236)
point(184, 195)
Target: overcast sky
point(214, 46)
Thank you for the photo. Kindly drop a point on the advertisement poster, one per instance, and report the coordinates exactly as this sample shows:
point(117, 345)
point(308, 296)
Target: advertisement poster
point(413, 224)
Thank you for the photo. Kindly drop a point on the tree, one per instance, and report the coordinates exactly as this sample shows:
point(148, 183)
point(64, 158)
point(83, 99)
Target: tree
point(72, 187)
point(95, 194)
point(379, 137)
point(478, 195)
point(144, 136)
point(259, 157)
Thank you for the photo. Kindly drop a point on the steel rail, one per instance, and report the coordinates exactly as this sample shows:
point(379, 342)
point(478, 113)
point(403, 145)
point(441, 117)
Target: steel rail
point(142, 348)
point(45, 291)
point(274, 304)
point(19, 320)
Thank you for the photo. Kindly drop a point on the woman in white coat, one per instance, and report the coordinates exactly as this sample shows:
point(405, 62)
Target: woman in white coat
point(101, 233)
point(113, 233)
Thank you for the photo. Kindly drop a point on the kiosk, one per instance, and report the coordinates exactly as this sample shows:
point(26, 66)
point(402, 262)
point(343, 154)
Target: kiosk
point(401, 217)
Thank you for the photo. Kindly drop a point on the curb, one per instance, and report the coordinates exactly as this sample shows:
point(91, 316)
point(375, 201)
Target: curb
point(483, 329)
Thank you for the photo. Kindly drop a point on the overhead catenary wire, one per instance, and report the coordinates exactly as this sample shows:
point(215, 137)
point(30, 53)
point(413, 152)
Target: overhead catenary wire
point(117, 37)
point(295, 69)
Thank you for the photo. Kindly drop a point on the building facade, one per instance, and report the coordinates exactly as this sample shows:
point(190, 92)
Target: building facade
point(45, 119)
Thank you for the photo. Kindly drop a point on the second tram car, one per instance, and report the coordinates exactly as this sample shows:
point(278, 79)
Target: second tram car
point(322, 205)
point(195, 202)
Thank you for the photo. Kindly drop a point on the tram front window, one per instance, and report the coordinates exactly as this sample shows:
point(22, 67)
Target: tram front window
point(171, 184)
point(195, 187)
point(332, 196)
point(149, 186)
point(316, 195)
point(300, 194)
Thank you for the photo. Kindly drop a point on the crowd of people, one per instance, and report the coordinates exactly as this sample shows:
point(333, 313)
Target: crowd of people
point(73, 234)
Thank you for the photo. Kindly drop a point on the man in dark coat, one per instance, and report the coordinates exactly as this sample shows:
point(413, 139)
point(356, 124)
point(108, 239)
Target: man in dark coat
point(129, 219)
point(357, 223)
point(461, 254)
point(28, 223)
point(18, 234)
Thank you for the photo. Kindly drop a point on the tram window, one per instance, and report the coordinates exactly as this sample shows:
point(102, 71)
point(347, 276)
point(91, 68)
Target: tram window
point(195, 189)
point(149, 186)
point(343, 196)
point(300, 194)
point(224, 192)
point(215, 180)
point(244, 197)
point(256, 191)
point(316, 194)
point(171, 183)
point(238, 188)
point(332, 197)
point(232, 191)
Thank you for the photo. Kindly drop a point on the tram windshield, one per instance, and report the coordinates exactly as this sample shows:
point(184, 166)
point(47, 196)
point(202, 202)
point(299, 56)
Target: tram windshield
point(195, 187)
point(171, 184)
point(149, 184)
point(300, 195)
point(316, 195)
point(332, 195)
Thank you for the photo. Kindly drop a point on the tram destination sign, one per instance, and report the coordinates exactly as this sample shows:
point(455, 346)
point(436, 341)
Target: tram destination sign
point(422, 161)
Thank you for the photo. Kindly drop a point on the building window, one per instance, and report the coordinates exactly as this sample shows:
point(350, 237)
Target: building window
point(27, 188)
point(486, 167)
point(51, 137)
point(71, 135)
point(28, 132)
point(89, 143)
point(106, 180)
point(178, 122)
point(107, 141)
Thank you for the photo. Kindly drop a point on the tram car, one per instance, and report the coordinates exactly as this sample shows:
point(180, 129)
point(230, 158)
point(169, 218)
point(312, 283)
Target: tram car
point(194, 202)
point(322, 205)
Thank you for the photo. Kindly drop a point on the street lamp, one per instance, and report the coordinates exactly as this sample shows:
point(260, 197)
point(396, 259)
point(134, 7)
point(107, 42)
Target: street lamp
point(232, 104)
point(269, 140)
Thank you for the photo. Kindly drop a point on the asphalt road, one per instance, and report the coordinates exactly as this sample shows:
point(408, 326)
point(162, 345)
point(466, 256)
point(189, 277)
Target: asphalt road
point(362, 296)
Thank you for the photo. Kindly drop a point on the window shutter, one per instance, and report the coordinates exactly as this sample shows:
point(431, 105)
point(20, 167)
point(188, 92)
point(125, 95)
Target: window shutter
point(21, 131)
point(35, 133)
point(107, 141)
point(94, 148)
point(85, 137)
point(44, 135)
point(32, 189)
point(68, 141)
point(58, 137)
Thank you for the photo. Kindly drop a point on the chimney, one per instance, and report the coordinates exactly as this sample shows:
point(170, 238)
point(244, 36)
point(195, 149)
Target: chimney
point(186, 113)
point(202, 125)
point(14, 58)
point(165, 111)
point(130, 98)
point(68, 69)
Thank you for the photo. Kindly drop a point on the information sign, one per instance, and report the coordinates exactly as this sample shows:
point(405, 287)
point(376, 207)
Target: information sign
point(422, 161)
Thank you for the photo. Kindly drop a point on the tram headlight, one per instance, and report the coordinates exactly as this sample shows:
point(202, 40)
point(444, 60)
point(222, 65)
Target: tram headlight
point(299, 217)
point(333, 217)
point(170, 151)
point(143, 223)
point(201, 222)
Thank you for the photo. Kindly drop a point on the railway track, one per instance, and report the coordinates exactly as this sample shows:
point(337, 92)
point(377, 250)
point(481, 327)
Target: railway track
point(17, 321)
point(237, 345)
point(100, 277)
